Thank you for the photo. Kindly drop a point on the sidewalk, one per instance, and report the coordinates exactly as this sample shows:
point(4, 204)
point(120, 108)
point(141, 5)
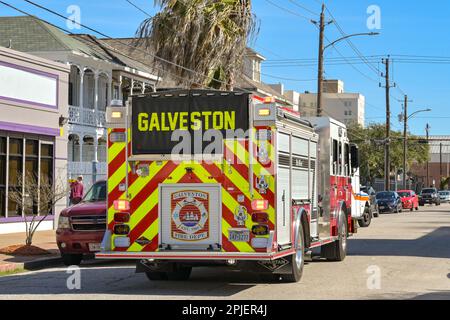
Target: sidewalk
point(42, 239)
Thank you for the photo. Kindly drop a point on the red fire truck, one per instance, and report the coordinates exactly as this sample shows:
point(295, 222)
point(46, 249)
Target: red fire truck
point(204, 178)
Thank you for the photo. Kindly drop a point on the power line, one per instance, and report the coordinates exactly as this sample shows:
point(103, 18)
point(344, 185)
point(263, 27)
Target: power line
point(303, 7)
point(288, 10)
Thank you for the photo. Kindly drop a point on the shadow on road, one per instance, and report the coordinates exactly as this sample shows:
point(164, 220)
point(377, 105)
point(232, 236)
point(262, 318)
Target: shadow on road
point(438, 295)
point(122, 280)
point(433, 245)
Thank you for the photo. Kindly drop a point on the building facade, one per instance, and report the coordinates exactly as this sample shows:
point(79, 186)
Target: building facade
point(345, 107)
point(33, 140)
point(438, 166)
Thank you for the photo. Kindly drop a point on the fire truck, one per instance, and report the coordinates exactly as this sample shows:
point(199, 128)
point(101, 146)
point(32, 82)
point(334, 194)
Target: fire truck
point(213, 178)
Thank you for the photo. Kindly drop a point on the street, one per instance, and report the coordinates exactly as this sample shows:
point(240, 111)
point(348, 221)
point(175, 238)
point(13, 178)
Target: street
point(410, 251)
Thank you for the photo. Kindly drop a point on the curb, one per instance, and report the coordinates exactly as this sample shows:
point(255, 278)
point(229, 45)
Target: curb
point(31, 265)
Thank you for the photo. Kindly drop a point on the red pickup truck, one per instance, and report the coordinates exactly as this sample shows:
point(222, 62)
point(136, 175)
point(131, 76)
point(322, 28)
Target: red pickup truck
point(81, 227)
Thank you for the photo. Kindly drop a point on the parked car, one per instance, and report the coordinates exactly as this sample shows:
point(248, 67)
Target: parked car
point(429, 196)
point(389, 201)
point(410, 199)
point(373, 200)
point(444, 195)
point(81, 227)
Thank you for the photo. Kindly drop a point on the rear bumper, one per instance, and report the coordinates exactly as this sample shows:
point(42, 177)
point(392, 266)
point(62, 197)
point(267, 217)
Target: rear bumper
point(194, 255)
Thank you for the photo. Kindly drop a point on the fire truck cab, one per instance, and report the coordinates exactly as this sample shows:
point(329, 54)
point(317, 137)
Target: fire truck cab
point(203, 178)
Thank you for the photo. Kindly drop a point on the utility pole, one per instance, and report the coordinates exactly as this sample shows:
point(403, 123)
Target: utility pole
point(321, 50)
point(387, 156)
point(440, 162)
point(427, 128)
point(405, 139)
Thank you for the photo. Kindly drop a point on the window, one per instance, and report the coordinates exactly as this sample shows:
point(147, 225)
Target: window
point(19, 157)
point(335, 157)
point(15, 174)
point(347, 160)
point(31, 171)
point(46, 169)
point(2, 177)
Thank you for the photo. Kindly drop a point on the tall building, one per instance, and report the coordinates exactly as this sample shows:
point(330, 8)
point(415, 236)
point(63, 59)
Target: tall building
point(345, 107)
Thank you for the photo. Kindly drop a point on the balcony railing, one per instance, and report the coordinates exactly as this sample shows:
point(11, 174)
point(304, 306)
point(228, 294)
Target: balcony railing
point(86, 116)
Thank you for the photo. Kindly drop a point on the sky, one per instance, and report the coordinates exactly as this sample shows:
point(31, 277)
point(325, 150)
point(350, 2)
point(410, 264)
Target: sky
point(285, 32)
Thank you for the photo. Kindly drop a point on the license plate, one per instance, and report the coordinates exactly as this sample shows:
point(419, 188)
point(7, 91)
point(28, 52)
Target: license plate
point(382, 207)
point(239, 235)
point(94, 247)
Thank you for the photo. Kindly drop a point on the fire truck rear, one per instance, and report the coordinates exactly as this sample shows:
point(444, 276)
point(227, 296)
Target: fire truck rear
point(205, 178)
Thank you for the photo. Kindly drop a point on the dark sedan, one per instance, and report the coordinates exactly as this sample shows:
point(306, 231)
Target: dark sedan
point(389, 202)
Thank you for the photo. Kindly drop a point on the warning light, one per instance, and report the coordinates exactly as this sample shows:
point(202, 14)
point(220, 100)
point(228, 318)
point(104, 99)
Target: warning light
point(122, 205)
point(122, 217)
point(269, 100)
point(258, 205)
point(121, 229)
point(264, 112)
point(116, 115)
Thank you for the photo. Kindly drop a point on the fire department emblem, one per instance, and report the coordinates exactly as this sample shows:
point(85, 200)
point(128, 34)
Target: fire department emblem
point(190, 215)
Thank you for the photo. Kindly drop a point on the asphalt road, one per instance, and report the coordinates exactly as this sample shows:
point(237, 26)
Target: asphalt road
point(404, 256)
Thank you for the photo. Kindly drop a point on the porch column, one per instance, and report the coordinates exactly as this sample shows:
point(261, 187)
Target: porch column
point(108, 94)
point(143, 87)
point(132, 87)
point(81, 87)
point(96, 76)
point(120, 88)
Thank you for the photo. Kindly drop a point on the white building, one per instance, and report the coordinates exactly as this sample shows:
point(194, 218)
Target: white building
point(345, 107)
point(98, 73)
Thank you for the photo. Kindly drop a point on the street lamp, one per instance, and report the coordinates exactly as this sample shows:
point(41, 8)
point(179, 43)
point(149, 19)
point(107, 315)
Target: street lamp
point(405, 138)
point(322, 49)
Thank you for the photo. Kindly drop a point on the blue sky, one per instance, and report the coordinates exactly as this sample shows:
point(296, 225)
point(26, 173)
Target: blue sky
point(407, 28)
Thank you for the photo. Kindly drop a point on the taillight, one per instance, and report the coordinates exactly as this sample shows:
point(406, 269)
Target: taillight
point(260, 205)
point(122, 205)
point(121, 229)
point(260, 217)
point(122, 217)
point(261, 230)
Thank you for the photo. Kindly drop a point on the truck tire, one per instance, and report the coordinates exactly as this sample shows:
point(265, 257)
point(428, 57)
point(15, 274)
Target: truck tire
point(72, 259)
point(367, 218)
point(337, 251)
point(297, 260)
point(180, 273)
point(156, 276)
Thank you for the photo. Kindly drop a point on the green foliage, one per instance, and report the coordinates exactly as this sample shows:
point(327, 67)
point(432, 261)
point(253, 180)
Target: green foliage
point(207, 36)
point(445, 183)
point(371, 143)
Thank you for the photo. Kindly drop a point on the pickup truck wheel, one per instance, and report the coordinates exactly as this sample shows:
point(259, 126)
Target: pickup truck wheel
point(156, 276)
point(297, 260)
point(366, 219)
point(72, 259)
point(180, 273)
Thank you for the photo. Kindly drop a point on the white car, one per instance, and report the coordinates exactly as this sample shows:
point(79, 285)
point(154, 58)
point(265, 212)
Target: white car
point(444, 196)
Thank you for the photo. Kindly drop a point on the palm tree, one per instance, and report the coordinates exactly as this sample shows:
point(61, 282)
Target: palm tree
point(206, 36)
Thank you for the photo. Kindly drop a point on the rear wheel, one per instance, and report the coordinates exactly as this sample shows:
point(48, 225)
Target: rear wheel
point(337, 251)
point(297, 259)
point(72, 259)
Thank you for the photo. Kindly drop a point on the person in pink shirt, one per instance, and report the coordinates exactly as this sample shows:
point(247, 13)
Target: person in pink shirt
point(76, 191)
